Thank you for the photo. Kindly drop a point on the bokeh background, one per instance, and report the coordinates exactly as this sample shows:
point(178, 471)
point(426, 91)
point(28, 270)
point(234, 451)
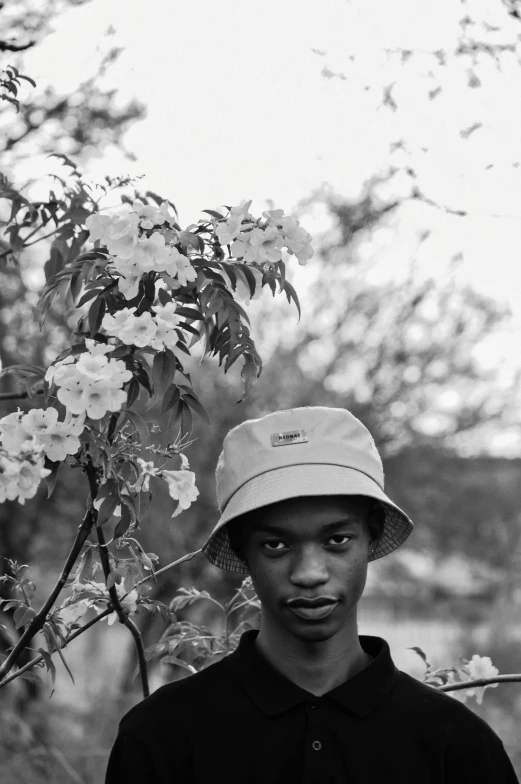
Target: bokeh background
point(392, 130)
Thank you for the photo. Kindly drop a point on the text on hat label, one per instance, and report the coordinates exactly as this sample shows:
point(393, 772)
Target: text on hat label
point(289, 437)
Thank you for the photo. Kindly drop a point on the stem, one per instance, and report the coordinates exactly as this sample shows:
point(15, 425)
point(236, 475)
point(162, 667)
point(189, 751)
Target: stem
point(13, 395)
point(39, 619)
point(123, 617)
point(481, 682)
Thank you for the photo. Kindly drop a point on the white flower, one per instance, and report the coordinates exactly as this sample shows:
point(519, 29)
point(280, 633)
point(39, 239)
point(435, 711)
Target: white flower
point(164, 213)
point(152, 253)
point(13, 433)
point(181, 487)
point(142, 330)
point(178, 264)
point(59, 442)
point(96, 348)
point(97, 226)
point(94, 367)
point(73, 612)
point(229, 230)
point(274, 216)
point(146, 214)
point(142, 483)
point(121, 236)
point(242, 209)
point(304, 255)
point(268, 244)
point(241, 248)
point(20, 476)
point(97, 400)
point(166, 315)
point(480, 667)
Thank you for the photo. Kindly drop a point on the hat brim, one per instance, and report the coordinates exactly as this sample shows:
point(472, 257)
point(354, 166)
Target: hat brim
point(294, 481)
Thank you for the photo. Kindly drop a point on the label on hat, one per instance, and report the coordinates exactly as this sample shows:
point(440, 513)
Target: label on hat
point(289, 437)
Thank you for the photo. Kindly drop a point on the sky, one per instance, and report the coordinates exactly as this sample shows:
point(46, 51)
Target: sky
point(273, 100)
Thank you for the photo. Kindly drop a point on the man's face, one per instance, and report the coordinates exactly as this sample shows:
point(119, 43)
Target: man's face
point(307, 548)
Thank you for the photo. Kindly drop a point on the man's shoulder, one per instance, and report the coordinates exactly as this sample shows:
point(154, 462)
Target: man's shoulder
point(440, 709)
point(179, 698)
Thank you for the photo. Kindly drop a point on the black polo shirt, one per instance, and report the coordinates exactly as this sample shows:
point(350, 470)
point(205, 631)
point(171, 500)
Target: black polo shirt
point(240, 721)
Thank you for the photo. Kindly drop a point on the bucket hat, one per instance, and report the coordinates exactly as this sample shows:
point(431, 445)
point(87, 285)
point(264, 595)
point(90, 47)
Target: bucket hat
point(308, 451)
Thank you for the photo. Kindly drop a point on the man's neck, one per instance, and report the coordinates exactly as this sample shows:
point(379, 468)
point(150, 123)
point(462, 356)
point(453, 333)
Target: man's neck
point(317, 667)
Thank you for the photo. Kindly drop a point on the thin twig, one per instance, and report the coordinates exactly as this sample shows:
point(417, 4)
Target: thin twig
point(123, 617)
point(13, 395)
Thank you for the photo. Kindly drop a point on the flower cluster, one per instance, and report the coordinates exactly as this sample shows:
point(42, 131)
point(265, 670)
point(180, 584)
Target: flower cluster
point(159, 332)
point(20, 474)
point(40, 431)
point(135, 251)
point(262, 242)
point(90, 384)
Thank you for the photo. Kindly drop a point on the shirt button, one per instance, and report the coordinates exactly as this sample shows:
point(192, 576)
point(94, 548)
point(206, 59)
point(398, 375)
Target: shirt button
point(313, 705)
point(316, 745)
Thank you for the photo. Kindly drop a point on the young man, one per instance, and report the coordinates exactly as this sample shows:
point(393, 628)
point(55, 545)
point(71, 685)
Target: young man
point(305, 699)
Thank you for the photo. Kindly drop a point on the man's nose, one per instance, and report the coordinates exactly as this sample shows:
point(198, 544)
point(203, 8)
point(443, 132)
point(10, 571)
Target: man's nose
point(309, 567)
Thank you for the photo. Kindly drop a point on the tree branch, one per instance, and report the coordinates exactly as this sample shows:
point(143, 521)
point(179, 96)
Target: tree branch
point(39, 619)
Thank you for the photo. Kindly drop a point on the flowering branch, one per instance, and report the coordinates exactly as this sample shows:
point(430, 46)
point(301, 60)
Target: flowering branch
point(101, 616)
point(39, 619)
point(38, 659)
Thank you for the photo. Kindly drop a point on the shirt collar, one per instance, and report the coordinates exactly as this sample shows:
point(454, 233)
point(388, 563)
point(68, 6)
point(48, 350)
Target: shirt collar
point(273, 692)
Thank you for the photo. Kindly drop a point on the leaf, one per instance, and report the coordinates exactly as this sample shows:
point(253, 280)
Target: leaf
point(107, 508)
point(96, 313)
point(124, 523)
point(214, 214)
point(140, 426)
point(164, 297)
point(189, 313)
point(23, 615)
point(249, 375)
point(31, 676)
point(292, 294)
point(63, 157)
point(163, 369)
point(421, 654)
point(49, 664)
point(132, 392)
point(186, 420)
point(250, 277)
point(171, 399)
point(90, 294)
point(107, 488)
point(50, 480)
point(198, 407)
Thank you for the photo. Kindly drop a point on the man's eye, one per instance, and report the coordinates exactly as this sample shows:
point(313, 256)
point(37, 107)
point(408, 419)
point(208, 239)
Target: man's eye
point(341, 536)
point(274, 548)
point(272, 542)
